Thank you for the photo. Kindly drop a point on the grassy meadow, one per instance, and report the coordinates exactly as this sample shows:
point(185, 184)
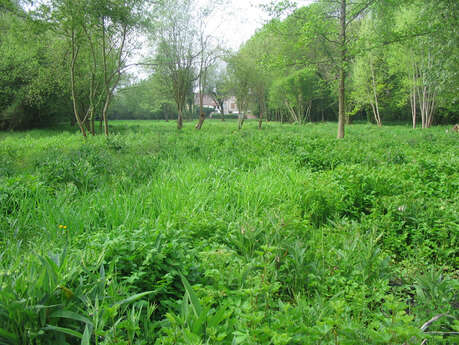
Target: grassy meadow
point(283, 235)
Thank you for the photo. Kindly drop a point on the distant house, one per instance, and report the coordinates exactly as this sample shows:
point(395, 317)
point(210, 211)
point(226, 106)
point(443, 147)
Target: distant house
point(229, 105)
point(207, 101)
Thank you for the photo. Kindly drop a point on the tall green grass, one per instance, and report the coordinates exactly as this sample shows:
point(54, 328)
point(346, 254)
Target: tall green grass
point(283, 235)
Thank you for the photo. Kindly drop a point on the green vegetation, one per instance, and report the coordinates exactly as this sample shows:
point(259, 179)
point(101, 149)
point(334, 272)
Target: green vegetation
point(219, 236)
point(374, 60)
point(276, 233)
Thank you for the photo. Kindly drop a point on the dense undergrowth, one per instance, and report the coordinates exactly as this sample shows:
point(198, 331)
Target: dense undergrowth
point(276, 236)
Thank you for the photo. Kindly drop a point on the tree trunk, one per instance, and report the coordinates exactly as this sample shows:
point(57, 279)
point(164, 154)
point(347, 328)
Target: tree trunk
point(75, 51)
point(342, 72)
point(202, 116)
point(291, 111)
point(93, 130)
point(308, 111)
point(413, 98)
point(180, 119)
point(260, 119)
point(104, 113)
point(375, 95)
point(241, 120)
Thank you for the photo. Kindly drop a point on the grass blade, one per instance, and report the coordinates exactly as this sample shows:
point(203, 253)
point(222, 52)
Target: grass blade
point(133, 298)
point(10, 337)
point(193, 298)
point(67, 314)
point(86, 336)
point(63, 330)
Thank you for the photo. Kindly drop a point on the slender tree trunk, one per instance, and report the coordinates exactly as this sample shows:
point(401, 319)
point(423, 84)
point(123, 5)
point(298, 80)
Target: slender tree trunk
point(201, 80)
point(92, 83)
point(180, 118)
point(291, 111)
point(301, 114)
point(430, 107)
point(241, 120)
point(75, 51)
point(424, 106)
point(260, 119)
point(93, 130)
point(87, 124)
point(104, 113)
point(202, 116)
point(413, 97)
point(375, 95)
point(342, 72)
point(308, 111)
point(373, 109)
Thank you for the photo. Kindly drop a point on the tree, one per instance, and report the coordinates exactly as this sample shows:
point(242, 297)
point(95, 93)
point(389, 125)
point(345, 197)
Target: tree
point(33, 80)
point(98, 34)
point(429, 59)
point(175, 53)
point(330, 22)
point(368, 73)
point(239, 71)
point(345, 12)
point(208, 55)
point(258, 75)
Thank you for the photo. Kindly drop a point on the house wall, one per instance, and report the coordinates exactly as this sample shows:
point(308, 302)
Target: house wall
point(207, 101)
point(230, 106)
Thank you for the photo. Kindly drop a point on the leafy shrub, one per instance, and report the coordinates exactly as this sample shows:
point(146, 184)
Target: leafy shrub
point(83, 168)
point(150, 260)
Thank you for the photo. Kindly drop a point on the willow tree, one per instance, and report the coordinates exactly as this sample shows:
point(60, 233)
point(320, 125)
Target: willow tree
point(239, 79)
point(208, 55)
point(100, 35)
point(176, 54)
point(328, 23)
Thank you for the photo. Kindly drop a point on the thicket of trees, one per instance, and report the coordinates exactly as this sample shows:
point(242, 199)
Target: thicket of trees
point(339, 59)
point(331, 60)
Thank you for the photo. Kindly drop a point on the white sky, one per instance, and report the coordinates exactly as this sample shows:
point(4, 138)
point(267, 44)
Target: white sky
point(237, 20)
point(232, 22)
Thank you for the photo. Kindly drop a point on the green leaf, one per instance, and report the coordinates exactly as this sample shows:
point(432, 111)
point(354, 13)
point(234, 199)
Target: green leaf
point(8, 336)
point(133, 298)
point(86, 336)
point(193, 298)
point(218, 317)
point(198, 323)
point(63, 330)
point(67, 314)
